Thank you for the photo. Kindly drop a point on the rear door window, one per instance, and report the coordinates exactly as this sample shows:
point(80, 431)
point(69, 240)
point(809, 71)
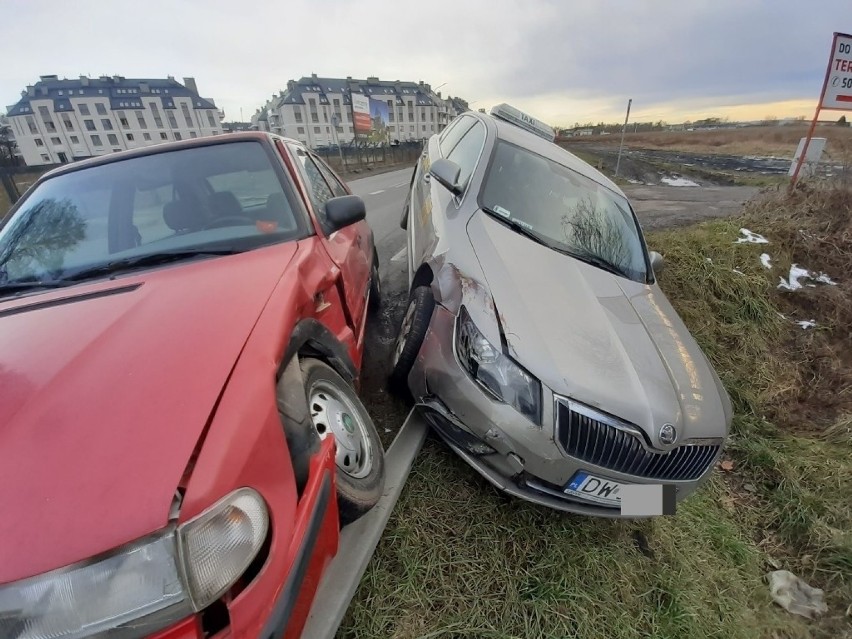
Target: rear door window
point(466, 153)
point(454, 133)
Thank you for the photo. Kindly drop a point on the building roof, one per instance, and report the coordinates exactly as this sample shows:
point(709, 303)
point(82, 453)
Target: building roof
point(123, 93)
point(371, 87)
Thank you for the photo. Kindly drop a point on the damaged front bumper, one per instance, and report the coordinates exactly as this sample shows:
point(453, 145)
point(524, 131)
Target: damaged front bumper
point(518, 457)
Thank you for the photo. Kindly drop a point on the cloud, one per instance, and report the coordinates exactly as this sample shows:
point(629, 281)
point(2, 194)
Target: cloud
point(573, 60)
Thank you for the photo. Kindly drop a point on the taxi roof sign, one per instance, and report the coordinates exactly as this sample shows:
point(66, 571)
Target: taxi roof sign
point(519, 118)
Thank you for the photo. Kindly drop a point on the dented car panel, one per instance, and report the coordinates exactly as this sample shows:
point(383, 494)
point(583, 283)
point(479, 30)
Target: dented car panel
point(624, 391)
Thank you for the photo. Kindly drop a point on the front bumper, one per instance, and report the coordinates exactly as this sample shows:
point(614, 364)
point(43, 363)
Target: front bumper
point(519, 457)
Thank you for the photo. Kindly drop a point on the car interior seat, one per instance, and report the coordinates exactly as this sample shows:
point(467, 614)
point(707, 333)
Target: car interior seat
point(182, 215)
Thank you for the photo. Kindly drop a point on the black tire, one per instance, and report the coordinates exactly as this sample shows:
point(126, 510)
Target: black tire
point(331, 400)
point(412, 332)
point(303, 441)
point(375, 285)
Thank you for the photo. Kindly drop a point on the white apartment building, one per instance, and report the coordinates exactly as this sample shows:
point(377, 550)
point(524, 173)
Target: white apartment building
point(308, 110)
point(58, 121)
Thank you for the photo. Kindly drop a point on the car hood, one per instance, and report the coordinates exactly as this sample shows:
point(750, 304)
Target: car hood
point(105, 389)
point(600, 339)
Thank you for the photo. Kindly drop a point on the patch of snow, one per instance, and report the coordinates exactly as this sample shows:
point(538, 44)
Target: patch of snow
point(677, 181)
point(751, 238)
point(764, 259)
point(708, 259)
point(634, 181)
point(792, 283)
point(822, 278)
point(806, 324)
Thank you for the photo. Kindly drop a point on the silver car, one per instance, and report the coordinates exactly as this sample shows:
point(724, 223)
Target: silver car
point(536, 341)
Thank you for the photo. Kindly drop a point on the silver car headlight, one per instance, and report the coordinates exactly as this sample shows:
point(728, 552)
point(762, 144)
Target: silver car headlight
point(145, 586)
point(495, 371)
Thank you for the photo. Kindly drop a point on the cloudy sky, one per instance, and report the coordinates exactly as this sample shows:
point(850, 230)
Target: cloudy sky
point(563, 61)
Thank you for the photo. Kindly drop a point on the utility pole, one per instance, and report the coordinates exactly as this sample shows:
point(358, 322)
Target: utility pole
point(623, 131)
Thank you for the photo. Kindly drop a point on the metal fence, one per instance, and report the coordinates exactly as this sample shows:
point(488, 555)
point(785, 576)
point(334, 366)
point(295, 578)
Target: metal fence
point(353, 157)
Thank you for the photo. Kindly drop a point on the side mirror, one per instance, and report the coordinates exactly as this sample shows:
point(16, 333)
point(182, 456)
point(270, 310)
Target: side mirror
point(343, 211)
point(447, 173)
point(657, 262)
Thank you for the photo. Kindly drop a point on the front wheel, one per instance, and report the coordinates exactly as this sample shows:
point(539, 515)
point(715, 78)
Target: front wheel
point(412, 332)
point(337, 412)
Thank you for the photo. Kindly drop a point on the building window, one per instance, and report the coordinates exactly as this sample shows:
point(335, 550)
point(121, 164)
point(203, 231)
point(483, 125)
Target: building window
point(211, 120)
point(112, 139)
point(38, 142)
point(45, 117)
point(316, 130)
point(100, 108)
point(140, 117)
point(424, 127)
point(297, 113)
point(313, 106)
point(84, 109)
point(327, 130)
point(412, 128)
point(193, 134)
point(90, 125)
point(172, 122)
point(186, 115)
point(31, 123)
point(164, 136)
point(130, 137)
point(56, 141)
point(301, 130)
point(390, 110)
point(122, 118)
point(45, 157)
point(96, 140)
point(75, 139)
point(69, 126)
point(106, 123)
point(178, 136)
point(146, 137)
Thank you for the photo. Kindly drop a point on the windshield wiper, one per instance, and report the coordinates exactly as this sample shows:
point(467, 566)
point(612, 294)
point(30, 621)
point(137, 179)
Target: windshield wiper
point(599, 262)
point(141, 261)
point(520, 228)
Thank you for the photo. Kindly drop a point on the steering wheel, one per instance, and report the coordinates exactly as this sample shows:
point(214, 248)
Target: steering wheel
point(229, 220)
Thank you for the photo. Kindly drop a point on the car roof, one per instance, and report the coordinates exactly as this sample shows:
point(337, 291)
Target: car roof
point(527, 140)
point(226, 138)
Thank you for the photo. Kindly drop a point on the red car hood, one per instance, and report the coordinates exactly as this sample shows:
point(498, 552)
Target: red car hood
point(104, 391)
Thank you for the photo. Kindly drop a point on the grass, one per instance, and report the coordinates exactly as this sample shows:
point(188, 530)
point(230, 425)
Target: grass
point(459, 559)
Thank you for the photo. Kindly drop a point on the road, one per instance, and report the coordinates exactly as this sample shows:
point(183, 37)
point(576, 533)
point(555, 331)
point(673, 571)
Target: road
point(384, 195)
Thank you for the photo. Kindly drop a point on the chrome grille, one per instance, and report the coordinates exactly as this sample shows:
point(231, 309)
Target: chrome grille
point(619, 449)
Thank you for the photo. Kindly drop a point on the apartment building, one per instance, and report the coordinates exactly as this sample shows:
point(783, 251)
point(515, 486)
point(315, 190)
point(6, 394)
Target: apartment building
point(318, 111)
point(60, 120)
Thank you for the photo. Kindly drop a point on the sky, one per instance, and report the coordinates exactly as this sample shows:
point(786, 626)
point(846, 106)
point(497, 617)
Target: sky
point(562, 61)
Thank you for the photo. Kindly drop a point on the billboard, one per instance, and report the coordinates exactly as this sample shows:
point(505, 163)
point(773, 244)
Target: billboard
point(837, 92)
point(370, 118)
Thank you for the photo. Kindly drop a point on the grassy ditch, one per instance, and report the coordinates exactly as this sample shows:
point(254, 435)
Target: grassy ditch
point(460, 560)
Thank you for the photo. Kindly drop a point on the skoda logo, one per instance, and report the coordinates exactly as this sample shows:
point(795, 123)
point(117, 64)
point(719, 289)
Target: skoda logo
point(668, 434)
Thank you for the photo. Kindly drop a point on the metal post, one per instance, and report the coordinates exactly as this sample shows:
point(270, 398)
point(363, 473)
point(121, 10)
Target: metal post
point(623, 131)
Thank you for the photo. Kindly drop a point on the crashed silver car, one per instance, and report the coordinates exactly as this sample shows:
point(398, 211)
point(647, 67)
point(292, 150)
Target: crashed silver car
point(536, 341)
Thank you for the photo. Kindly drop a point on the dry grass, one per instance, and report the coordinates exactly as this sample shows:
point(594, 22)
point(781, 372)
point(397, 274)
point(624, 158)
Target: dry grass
point(777, 141)
point(461, 560)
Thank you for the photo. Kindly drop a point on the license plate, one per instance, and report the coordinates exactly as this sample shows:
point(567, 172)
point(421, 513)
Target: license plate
point(592, 488)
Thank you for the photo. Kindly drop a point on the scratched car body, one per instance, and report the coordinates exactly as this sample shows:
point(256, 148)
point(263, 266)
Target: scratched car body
point(537, 342)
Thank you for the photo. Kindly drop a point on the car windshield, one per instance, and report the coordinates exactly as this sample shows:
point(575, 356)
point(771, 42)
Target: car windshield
point(565, 210)
point(214, 199)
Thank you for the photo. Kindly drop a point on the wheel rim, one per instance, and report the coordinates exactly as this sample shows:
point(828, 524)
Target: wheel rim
point(334, 415)
point(404, 330)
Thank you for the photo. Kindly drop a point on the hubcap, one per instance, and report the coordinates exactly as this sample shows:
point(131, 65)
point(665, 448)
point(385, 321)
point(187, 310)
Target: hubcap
point(333, 414)
point(404, 330)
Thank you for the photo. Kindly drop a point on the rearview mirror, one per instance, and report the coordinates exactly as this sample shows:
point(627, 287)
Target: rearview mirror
point(447, 173)
point(657, 262)
point(343, 211)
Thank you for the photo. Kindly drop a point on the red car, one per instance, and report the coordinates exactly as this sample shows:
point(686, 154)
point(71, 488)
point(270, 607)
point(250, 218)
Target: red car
point(181, 331)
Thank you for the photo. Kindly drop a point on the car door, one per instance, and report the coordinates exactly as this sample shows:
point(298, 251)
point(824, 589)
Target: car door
point(423, 229)
point(351, 247)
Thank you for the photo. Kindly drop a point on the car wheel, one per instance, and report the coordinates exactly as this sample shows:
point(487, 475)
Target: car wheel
point(337, 412)
point(375, 285)
point(412, 332)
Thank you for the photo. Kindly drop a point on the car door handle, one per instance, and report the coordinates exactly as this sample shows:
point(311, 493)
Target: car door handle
point(427, 178)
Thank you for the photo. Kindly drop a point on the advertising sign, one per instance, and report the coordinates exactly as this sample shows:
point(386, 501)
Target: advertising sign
point(379, 131)
point(361, 114)
point(837, 94)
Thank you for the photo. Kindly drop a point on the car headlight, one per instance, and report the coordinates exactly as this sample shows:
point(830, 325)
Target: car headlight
point(495, 371)
point(145, 586)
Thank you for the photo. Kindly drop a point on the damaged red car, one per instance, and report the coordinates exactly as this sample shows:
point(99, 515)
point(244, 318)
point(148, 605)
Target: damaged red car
point(181, 332)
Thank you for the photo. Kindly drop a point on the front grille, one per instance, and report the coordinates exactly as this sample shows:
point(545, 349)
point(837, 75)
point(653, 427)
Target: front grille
point(602, 444)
